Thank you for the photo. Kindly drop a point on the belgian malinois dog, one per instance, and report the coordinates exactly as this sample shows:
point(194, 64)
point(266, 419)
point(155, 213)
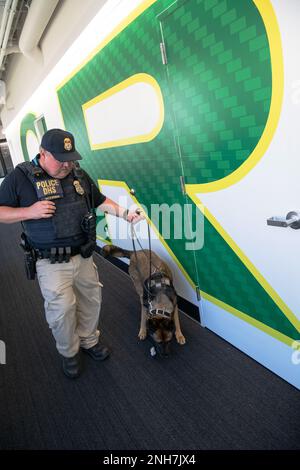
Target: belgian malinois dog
point(159, 310)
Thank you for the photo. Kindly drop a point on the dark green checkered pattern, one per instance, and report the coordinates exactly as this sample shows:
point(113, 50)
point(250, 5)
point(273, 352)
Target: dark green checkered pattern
point(222, 104)
point(218, 88)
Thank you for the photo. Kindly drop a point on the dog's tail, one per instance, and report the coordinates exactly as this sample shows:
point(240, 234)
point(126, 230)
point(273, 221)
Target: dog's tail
point(112, 250)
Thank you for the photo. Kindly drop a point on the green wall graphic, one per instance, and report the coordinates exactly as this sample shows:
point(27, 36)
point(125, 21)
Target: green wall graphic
point(27, 124)
point(217, 95)
point(220, 76)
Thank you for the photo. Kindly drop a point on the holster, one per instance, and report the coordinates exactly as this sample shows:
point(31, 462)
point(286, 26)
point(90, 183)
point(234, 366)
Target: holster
point(87, 250)
point(30, 265)
point(29, 258)
point(88, 225)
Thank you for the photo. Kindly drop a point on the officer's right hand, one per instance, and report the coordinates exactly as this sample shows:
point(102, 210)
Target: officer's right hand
point(41, 210)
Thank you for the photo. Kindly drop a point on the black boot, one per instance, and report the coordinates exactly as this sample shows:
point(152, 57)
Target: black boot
point(97, 352)
point(72, 366)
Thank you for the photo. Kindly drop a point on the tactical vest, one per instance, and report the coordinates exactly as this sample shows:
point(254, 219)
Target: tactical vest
point(64, 227)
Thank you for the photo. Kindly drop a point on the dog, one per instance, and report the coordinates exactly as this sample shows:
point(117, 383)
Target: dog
point(159, 309)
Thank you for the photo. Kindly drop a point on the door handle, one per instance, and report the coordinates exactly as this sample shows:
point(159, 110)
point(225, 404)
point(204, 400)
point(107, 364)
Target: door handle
point(291, 220)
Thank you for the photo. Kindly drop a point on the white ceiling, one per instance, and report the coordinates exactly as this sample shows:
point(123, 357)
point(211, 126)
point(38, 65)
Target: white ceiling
point(17, 25)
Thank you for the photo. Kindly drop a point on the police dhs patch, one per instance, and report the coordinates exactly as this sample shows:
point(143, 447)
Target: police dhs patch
point(48, 188)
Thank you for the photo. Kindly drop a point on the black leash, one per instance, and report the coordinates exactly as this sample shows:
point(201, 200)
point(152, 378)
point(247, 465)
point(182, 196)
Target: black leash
point(134, 235)
point(146, 284)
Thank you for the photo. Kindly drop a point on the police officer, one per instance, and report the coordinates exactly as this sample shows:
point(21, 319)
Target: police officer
point(52, 197)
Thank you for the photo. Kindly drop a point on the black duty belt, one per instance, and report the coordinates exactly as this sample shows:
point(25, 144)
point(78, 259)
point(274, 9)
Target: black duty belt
point(57, 254)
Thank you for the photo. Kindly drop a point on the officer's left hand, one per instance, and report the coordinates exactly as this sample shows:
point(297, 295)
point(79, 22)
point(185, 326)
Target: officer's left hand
point(135, 216)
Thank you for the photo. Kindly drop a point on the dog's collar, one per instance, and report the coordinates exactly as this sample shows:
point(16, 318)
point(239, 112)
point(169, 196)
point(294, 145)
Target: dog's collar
point(158, 312)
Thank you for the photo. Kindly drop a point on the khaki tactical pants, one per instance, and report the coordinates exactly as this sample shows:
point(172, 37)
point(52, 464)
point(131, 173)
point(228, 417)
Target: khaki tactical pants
point(72, 294)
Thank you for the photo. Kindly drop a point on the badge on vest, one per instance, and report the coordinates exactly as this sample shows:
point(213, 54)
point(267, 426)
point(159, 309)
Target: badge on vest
point(48, 188)
point(78, 188)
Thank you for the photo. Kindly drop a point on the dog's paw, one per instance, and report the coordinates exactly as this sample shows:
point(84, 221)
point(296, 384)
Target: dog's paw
point(180, 338)
point(142, 334)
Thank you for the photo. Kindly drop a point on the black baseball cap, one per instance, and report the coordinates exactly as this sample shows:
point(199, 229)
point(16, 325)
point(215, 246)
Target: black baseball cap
point(61, 144)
